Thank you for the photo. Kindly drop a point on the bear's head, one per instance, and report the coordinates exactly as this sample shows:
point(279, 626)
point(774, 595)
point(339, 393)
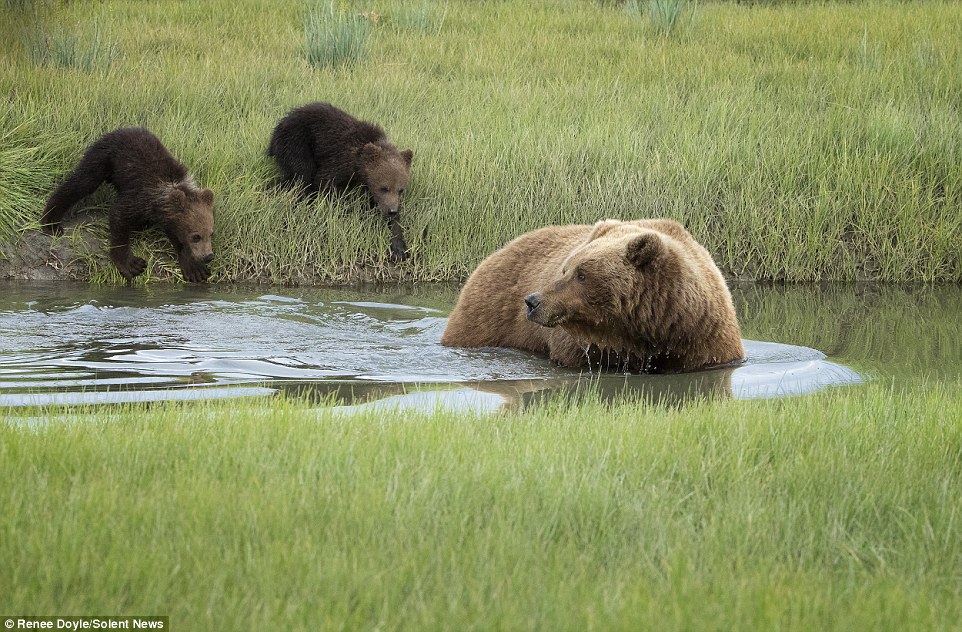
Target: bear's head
point(385, 172)
point(628, 287)
point(603, 277)
point(189, 215)
point(646, 291)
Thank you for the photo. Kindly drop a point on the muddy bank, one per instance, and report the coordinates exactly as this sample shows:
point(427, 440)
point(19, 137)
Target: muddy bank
point(36, 256)
point(80, 254)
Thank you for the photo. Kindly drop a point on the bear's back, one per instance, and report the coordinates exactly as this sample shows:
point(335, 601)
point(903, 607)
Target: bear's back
point(333, 132)
point(490, 310)
point(139, 160)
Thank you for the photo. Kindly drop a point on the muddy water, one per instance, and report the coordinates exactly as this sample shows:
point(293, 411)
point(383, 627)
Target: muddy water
point(65, 343)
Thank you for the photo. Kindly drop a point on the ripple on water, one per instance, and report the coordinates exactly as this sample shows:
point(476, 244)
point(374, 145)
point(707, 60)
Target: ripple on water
point(214, 344)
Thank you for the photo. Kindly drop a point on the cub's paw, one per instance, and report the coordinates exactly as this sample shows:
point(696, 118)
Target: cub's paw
point(399, 251)
point(137, 266)
point(195, 272)
point(133, 267)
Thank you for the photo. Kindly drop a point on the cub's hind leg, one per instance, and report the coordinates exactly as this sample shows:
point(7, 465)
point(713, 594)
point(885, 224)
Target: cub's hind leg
point(93, 170)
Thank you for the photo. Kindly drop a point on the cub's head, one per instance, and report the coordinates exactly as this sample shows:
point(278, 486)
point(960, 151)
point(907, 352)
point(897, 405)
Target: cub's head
point(605, 280)
point(385, 171)
point(190, 220)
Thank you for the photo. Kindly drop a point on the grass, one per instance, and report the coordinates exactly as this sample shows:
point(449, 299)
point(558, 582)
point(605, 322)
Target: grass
point(798, 143)
point(819, 141)
point(25, 177)
point(419, 17)
point(669, 15)
point(84, 51)
point(837, 511)
point(334, 37)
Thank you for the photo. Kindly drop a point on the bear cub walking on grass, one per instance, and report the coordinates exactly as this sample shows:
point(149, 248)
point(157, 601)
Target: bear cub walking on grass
point(153, 189)
point(321, 149)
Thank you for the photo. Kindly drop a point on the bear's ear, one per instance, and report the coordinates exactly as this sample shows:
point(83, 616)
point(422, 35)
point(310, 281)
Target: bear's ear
point(369, 153)
point(207, 197)
point(603, 227)
point(178, 198)
point(408, 156)
point(642, 250)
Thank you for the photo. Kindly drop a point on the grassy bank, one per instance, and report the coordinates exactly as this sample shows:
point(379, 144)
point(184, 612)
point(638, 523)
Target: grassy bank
point(797, 142)
point(837, 511)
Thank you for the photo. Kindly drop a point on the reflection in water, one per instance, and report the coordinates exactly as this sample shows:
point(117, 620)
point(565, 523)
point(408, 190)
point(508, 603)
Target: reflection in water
point(880, 330)
point(62, 343)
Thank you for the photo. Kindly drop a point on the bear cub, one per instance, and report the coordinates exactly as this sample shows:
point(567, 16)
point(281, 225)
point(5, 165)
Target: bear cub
point(641, 296)
point(321, 149)
point(153, 189)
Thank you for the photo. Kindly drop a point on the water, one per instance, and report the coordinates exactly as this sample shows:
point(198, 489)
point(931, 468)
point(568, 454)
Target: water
point(65, 344)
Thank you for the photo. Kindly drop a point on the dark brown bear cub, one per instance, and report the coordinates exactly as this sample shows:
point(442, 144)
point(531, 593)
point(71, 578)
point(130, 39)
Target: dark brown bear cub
point(322, 149)
point(153, 189)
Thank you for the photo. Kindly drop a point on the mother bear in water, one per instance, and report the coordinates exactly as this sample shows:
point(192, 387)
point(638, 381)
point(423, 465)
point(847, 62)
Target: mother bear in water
point(640, 295)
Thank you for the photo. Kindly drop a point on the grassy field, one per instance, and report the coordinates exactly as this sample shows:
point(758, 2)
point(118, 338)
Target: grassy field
point(796, 142)
point(833, 512)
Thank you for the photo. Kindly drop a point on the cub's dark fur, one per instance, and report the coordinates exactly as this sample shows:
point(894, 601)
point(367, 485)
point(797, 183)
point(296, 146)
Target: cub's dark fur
point(322, 149)
point(153, 189)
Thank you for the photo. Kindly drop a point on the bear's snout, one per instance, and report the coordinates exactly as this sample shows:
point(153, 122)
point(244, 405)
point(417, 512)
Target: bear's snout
point(533, 301)
point(208, 258)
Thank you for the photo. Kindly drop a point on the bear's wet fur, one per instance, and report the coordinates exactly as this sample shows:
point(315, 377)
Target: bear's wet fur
point(642, 296)
point(153, 189)
point(322, 149)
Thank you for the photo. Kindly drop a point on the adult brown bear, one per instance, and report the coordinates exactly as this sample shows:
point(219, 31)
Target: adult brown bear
point(153, 189)
point(322, 149)
point(641, 296)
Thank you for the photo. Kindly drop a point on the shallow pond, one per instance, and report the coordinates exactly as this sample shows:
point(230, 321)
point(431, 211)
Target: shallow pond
point(75, 343)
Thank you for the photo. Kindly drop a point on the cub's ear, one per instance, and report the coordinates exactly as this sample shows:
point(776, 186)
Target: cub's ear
point(642, 250)
point(369, 153)
point(178, 198)
point(207, 197)
point(408, 156)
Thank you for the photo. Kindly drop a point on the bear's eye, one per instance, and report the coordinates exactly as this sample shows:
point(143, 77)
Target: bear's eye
point(195, 238)
point(580, 275)
point(384, 189)
point(400, 191)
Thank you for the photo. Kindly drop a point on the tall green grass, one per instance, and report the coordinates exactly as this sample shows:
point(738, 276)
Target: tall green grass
point(419, 17)
point(85, 51)
point(796, 142)
point(833, 512)
point(335, 37)
point(668, 16)
point(25, 177)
